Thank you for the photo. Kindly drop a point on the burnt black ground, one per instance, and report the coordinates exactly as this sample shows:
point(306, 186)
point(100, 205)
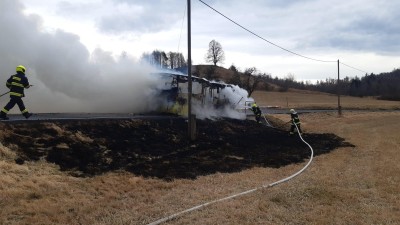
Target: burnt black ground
point(160, 148)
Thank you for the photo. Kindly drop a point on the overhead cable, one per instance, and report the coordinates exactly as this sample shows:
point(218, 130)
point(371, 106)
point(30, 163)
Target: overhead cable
point(253, 33)
point(353, 67)
point(327, 61)
point(180, 35)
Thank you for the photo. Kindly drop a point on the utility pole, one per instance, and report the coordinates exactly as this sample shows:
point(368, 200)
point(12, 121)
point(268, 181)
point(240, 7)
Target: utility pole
point(191, 118)
point(338, 89)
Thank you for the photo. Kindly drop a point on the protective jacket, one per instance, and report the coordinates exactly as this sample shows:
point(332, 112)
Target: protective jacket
point(295, 118)
point(17, 83)
point(256, 110)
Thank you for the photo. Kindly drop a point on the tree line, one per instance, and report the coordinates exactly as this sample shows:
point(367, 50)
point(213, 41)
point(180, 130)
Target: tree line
point(385, 86)
point(173, 60)
point(160, 59)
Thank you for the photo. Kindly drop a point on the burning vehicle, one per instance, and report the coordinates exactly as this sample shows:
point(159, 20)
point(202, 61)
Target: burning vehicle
point(209, 98)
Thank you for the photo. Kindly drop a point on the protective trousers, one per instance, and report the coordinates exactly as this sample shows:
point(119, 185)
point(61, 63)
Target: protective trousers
point(14, 100)
point(292, 127)
point(258, 117)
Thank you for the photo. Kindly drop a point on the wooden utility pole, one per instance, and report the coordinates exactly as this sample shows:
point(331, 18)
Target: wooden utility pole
point(191, 118)
point(338, 89)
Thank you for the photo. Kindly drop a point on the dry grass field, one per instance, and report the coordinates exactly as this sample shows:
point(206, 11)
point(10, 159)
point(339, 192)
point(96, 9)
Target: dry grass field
point(318, 100)
point(352, 185)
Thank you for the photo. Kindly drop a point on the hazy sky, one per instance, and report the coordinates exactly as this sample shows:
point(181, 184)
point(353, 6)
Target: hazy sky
point(76, 64)
point(362, 33)
point(72, 48)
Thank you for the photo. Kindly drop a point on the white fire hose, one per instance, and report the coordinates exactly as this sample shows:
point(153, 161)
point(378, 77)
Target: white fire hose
point(268, 124)
point(173, 216)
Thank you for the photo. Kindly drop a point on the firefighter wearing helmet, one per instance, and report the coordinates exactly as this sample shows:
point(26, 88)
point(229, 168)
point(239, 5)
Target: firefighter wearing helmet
point(295, 122)
point(16, 83)
point(257, 112)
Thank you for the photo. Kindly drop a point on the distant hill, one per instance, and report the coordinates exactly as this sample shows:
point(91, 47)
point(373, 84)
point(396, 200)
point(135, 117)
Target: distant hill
point(212, 72)
point(384, 86)
point(218, 73)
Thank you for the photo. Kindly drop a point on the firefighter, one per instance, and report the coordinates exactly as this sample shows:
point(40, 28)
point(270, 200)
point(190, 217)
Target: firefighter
point(257, 112)
point(295, 122)
point(16, 83)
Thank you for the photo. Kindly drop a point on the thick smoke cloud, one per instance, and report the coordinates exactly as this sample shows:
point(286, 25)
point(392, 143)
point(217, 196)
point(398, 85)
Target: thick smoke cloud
point(66, 76)
point(236, 96)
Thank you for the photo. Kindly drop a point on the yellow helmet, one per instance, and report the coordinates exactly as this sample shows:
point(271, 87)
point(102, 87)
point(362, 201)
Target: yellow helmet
point(254, 105)
point(21, 68)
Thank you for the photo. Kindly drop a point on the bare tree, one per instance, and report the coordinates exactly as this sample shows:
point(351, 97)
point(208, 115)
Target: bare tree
point(176, 60)
point(290, 77)
point(215, 53)
point(180, 60)
point(251, 80)
point(161, 59)
point(156, 58)
point(171, 60)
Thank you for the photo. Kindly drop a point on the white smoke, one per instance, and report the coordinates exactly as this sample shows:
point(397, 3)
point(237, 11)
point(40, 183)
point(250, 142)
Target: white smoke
point(66, 77)
point(233, 95)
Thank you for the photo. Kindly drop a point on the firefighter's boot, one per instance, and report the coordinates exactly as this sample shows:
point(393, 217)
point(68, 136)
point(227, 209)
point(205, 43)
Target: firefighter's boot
point(27, 114)
point(3, 116)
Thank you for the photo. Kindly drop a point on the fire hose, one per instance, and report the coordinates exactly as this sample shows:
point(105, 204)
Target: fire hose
point(4, 94)
point(10, 91)
point(268, 124)
point(173, 216)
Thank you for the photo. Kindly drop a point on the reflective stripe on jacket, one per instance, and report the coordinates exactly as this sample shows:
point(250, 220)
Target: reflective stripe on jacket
point(17, 83)
point(256, 110)
point(295, 118)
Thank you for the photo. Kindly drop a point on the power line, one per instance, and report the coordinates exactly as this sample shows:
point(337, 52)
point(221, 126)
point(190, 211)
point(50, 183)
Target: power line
point(353, 67)
point(264, 38)
point(327, 61)
point(180, 35)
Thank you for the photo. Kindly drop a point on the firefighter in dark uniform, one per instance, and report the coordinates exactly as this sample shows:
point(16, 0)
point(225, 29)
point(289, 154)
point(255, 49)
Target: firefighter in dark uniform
point(295, 122)
point(16, 83)
point(257, 112)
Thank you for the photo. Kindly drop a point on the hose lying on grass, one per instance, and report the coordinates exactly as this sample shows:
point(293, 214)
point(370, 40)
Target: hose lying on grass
point(173, 216)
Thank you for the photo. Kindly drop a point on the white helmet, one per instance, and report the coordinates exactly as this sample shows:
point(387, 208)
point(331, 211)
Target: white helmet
point(292, 111)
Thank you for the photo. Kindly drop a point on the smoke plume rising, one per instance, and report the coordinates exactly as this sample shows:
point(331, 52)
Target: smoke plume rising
point(68, 78)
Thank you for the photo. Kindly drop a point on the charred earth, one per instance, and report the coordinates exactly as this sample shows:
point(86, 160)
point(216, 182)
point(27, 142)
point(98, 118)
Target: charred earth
point(160, 147)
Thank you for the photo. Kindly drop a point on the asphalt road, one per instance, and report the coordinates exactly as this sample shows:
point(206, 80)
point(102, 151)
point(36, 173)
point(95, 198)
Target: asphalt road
point(81, 116)
point(100, 116)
